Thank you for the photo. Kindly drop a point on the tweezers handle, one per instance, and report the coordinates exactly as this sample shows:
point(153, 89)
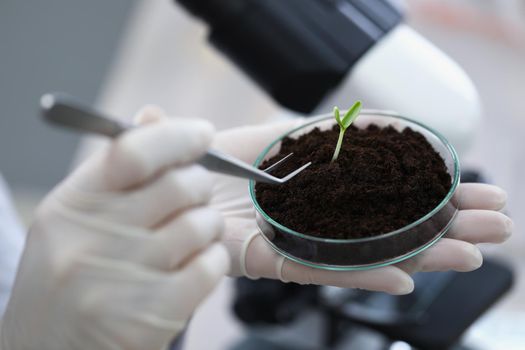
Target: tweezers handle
point(61, 109)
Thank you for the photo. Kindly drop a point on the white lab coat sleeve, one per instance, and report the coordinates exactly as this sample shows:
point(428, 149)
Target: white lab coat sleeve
point(12, 239)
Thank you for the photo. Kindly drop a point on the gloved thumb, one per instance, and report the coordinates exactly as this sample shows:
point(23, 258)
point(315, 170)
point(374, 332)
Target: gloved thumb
point(142, 153)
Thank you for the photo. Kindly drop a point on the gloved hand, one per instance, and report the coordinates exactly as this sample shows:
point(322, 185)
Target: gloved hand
point(122, 252)
point(478, 221)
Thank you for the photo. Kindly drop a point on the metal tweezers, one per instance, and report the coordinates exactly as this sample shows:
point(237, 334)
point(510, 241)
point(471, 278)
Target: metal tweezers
point(63, 110)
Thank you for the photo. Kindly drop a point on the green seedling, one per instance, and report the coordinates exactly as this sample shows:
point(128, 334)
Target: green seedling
point(344, 123)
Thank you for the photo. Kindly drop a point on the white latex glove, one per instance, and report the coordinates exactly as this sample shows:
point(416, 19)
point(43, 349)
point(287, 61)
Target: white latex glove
point(122, 252)
point(478, 221)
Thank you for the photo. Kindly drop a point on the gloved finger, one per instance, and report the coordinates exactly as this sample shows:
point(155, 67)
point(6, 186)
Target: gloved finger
point(194, 282)
point(166, 248)
point(387, 279)
point(172, 192)
point(183, 237)
point(262, 261)
point(481, 196)
point(149, 114)
point(142, 153)
point(481, 226)
point(446, 254)
point(253, 138)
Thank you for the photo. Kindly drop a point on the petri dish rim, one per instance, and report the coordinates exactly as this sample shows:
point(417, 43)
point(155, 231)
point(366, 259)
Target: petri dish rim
point(369, 112)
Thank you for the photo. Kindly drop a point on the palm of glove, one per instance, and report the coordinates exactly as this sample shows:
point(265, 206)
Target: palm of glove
point(478, 221)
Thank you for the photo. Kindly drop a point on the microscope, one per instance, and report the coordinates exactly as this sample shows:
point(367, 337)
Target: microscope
point(311, 55)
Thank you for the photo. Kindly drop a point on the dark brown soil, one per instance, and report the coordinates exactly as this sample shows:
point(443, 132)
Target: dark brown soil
point(383, 180)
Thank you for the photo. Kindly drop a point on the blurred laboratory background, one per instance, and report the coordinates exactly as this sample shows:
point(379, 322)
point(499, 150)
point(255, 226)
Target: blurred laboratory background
point(122, 54)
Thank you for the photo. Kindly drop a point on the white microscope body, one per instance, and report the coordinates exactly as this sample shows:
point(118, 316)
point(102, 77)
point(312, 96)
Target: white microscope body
point(407, 74)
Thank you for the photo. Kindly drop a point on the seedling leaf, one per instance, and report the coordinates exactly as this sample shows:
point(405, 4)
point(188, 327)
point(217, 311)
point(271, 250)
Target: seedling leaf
point(351, 114)
point(338, 116)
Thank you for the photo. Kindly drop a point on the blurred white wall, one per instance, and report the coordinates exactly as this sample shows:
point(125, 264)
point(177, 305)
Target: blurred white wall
point(52, 45)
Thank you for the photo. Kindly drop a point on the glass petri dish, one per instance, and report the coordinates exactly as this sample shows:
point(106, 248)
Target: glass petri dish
point(370, 252)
